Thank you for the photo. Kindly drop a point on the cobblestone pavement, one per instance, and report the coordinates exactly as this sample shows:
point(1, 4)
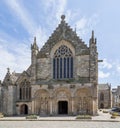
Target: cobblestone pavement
point(58, 124)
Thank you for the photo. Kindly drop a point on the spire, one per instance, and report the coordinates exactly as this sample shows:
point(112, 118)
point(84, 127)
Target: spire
point(35, 39)
point(7, 80)
point(34, 46)
point(92, 34)
point(8, 70)
point(93, 42)
point(92, 39)
point(75, 29)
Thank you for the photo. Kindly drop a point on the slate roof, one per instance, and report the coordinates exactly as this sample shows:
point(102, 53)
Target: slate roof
point(103, 86)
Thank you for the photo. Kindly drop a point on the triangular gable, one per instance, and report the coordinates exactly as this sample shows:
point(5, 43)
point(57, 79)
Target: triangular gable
point(64, 32)
point(22, 77)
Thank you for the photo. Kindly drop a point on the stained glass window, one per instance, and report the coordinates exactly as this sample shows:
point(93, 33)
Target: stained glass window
point(63, 63)
point(25, 91)
point(101, 96)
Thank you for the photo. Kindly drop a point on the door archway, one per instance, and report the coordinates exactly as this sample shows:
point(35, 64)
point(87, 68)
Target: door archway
point(62, 107)
point(101, 105)
point(24, 109)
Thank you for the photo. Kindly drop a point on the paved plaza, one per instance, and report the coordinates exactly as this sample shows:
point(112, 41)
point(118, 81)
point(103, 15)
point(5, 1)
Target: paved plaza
point(58, 124)
point(101, 121)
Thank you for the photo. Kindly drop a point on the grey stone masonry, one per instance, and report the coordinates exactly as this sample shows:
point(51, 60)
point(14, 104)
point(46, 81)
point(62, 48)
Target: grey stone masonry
point(61, 79)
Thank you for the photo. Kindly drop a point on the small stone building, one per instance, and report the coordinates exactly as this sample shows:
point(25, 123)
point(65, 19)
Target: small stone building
point(104, 96)
point(62, 78)
point(116, 97)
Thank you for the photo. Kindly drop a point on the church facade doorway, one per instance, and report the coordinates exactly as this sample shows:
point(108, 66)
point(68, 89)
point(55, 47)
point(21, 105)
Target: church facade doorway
point(24, 109)
point(62, 107)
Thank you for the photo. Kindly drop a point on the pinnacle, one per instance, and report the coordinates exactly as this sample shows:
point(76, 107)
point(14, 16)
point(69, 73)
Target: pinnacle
point(63, 17)
point(8, 70)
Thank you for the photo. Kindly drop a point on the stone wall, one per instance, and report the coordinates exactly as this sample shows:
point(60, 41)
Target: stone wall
point(43, 69)
point(82, 66)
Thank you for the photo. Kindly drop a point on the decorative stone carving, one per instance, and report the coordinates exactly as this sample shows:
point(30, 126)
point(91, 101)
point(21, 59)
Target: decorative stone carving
point(61, 95)
point(64, 32)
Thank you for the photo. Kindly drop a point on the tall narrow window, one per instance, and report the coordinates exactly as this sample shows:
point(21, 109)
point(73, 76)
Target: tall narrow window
point(71, 67)
point(20, 93)
point(54, 68)
point(64, 68)
point(101, 96)
point(25, 91)
point(63, 63)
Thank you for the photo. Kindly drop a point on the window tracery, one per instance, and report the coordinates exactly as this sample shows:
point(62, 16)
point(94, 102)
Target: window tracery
point(25, 90)
point(101, 96)
point(63, 63)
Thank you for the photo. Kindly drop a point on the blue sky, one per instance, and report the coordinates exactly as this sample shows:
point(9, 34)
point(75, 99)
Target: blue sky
point(21, 20)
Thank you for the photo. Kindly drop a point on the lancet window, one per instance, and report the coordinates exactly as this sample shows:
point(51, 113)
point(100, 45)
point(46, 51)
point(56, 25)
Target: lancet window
point(25, 90)
point(63, 63)
point(101, 96)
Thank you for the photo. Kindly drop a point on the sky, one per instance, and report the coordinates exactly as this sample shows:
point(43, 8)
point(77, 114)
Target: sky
point(22, 20)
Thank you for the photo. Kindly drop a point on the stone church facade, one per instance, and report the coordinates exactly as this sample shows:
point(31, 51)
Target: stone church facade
point(62, 78)
point(104, 96)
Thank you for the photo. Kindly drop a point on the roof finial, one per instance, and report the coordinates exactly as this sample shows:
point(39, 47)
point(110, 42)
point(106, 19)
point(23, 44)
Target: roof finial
point(75, 28)
point(63, 17)
point(35, 39)
point(92, 34)
point(8, 70)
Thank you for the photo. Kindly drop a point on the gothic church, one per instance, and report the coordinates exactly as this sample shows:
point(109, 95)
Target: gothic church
point(62, 78)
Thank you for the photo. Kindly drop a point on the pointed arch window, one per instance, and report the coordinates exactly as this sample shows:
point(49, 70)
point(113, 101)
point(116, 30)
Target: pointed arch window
point(25, 90)
point(101, 96)
point(63, 63)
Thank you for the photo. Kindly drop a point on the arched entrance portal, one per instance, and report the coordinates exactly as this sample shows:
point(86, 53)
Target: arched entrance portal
point(62, 107)
point(24, 109)
point(101, 105)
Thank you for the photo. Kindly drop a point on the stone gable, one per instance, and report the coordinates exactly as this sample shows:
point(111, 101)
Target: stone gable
point(64, 32)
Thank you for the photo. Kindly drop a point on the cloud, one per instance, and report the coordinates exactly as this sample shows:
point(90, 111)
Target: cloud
point(105, 64)
point(81, 23)
point(17, 55)
point(27, 21)
point(84, 25)
point(14, 54)
point(61, 5)
point(101, 74)
point(41, 36)
point(56, 9)
point(118, 68)
point(22, 14)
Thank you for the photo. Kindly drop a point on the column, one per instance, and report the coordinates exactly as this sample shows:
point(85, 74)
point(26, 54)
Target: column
point(50, 106)
point(72, 105)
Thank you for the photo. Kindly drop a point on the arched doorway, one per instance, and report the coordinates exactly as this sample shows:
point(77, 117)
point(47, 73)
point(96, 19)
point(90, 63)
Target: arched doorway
point(101, 105)
point(24, 109)
point(62, 107)
point(41, 102)
point(82, 101)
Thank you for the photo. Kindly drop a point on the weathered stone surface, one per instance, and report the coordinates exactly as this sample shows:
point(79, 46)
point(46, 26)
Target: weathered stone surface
point(43, 68)
point(104, 96)
point(82, 65)
point(74, 87)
